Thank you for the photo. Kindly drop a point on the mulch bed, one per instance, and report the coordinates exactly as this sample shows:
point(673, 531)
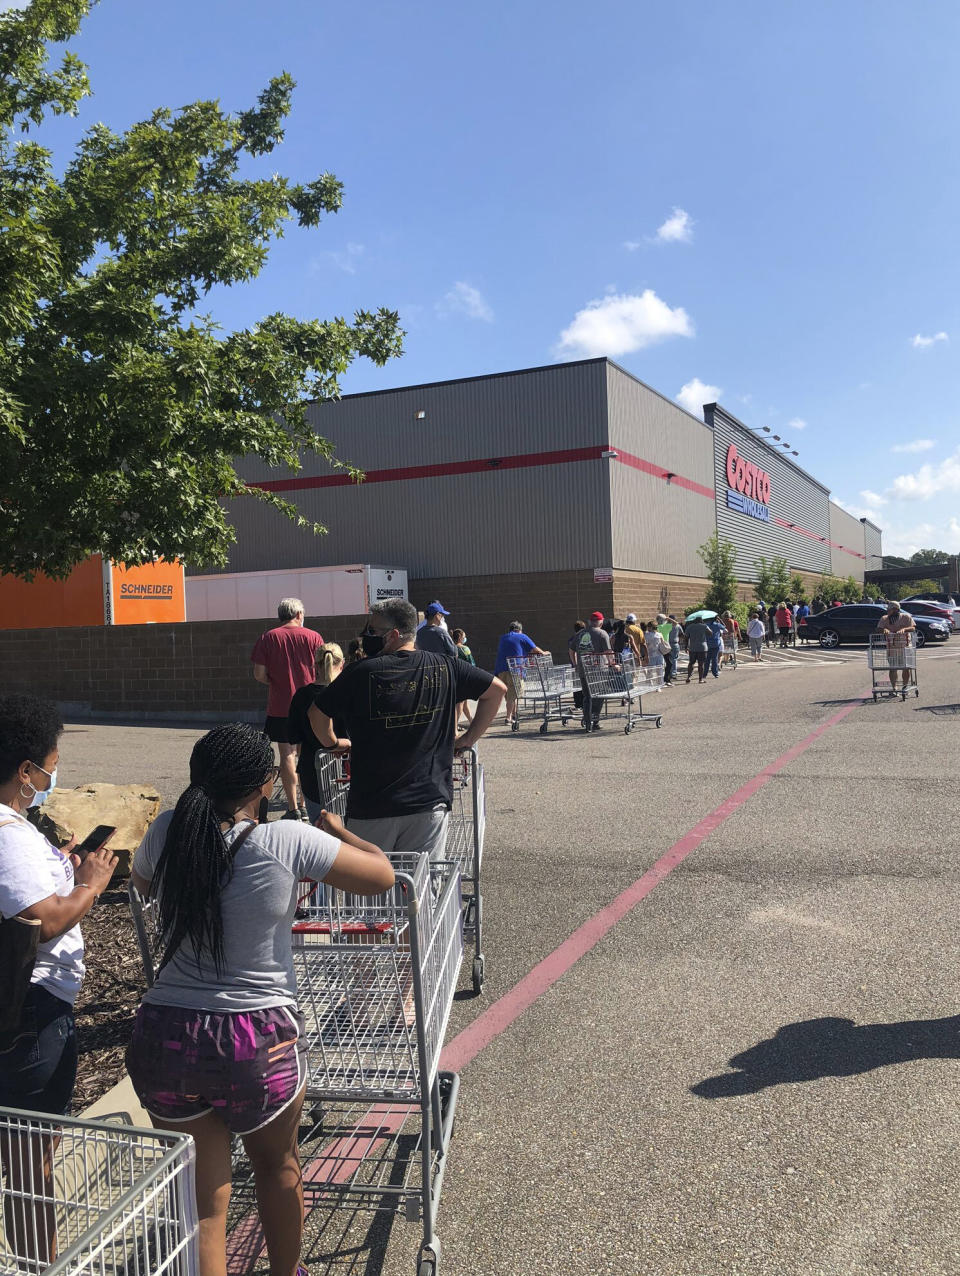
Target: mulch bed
point(109, 996)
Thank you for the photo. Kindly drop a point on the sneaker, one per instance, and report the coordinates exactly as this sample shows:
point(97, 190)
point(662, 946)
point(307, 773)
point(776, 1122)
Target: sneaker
point(303, 815)
point(292, 814)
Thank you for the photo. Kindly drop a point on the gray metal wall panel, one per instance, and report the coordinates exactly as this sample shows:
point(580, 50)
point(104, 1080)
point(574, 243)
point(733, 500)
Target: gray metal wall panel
point(657, 526)
point(547, 518)
point(872, 546)
point(794, 497)
point(846, 531)
point(652, 427)
point(544, 409)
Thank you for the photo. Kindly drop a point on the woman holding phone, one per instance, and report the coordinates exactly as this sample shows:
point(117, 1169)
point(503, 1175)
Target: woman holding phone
point(217, 1045)
point(52, 890)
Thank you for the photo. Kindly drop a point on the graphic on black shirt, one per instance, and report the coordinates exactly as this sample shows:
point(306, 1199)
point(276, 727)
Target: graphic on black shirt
point(400, 714)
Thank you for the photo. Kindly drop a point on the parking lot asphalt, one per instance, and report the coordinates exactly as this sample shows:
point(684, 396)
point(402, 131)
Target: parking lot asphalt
point(755, 1070)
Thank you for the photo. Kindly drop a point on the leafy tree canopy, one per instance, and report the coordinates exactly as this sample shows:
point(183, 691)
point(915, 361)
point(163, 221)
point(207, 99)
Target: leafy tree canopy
point(121, 409)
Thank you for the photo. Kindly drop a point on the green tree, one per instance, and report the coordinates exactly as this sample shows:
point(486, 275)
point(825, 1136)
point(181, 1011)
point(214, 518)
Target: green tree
point(773, 579)
point(122, 409)
point(796, 588)
point(720, 558)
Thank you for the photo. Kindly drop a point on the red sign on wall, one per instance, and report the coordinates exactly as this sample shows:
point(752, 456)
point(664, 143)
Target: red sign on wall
point(746, 478)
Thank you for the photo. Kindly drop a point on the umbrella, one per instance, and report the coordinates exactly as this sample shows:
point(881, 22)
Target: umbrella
point(702, 615)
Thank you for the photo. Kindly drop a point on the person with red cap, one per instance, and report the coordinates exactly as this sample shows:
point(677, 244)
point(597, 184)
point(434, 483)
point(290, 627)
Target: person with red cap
point(593, 638)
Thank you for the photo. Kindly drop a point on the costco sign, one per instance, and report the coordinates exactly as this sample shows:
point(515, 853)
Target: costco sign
point(749, 486)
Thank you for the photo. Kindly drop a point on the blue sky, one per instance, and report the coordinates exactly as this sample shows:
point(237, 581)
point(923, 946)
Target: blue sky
point(757, 198)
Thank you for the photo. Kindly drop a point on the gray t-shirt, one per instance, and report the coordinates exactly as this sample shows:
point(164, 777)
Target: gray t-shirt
point(697, 634)
point(258, 906)
point(594, 639)
point(433, 638)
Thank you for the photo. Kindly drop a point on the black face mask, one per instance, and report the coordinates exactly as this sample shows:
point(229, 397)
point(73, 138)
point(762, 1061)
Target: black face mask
point(372, 643)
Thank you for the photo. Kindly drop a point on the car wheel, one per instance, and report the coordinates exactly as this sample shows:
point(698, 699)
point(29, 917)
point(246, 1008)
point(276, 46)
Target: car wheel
point(921, 638)
point(829, 638)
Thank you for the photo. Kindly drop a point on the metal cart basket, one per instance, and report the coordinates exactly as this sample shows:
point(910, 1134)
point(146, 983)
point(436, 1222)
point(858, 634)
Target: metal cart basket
point(465, 849)
point(889, 655)
point(376, 978)
point(617, 685)
point(111, 1201)
point(333, 781)
point(546, 690)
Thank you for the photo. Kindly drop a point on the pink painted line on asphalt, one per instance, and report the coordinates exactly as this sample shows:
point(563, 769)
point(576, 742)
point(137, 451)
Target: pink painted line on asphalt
point(466, 1045)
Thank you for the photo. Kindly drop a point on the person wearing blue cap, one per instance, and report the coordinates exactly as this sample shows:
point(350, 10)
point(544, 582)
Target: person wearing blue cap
point(434, 635)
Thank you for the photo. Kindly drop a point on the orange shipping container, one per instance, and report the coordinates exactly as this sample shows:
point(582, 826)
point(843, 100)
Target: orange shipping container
point(96, 592)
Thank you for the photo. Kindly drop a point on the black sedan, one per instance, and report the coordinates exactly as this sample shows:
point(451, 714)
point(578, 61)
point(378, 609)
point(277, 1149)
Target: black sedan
point(856, 622)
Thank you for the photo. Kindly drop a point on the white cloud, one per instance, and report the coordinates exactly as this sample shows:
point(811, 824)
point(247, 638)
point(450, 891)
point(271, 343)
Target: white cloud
point(797, 423)
point(695, 394)
point(872, 498)
point(622, 323)
point(464, 299)
point(928, 481)
point(677, 229)
point(631, 245)
point(904, 541)
point(346, 259)
point(920, 342)
point(918, 445)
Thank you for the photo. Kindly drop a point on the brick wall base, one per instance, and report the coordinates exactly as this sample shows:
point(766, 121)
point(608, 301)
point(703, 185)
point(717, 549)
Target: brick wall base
point(199, 671)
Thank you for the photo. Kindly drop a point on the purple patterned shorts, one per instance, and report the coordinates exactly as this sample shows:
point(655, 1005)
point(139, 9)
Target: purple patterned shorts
point(247, 1067)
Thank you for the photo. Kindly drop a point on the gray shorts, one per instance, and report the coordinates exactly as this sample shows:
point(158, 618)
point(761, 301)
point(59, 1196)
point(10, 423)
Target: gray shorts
point(425, 831)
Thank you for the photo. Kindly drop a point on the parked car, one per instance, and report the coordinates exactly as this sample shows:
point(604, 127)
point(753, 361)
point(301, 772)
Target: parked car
point(855, 622)
point(950, 599)
point(948, 609)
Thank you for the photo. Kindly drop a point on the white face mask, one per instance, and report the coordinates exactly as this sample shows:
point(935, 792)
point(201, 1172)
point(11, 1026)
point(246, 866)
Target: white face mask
point(40, 795)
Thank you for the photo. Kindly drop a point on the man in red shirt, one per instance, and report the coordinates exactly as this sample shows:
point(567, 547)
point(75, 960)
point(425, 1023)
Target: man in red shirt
point(283, 659)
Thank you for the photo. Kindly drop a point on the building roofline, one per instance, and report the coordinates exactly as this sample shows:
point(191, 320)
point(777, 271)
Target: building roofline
point(869, 523)
point(483, 376)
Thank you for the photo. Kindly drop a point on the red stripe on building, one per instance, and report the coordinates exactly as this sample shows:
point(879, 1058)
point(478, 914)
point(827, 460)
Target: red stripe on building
point(447, 469)
point(647, 467)
point(803, 531)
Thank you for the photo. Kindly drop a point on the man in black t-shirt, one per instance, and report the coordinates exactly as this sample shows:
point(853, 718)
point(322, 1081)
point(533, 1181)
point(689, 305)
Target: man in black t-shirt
point(400, 709)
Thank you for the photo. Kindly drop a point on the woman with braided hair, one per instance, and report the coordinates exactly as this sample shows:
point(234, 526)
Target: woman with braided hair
point(217, 1044)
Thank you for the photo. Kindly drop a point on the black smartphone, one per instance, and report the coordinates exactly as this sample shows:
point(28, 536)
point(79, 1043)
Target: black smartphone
point(93, 841)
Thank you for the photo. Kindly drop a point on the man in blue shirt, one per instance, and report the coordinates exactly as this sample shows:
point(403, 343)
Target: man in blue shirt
point(715, 632)
point(513, 645)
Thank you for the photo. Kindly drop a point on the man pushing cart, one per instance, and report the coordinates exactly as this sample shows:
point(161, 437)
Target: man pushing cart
point(893, 649)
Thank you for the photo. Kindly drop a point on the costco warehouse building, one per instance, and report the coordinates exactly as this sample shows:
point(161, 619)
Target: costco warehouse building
point(545, 494)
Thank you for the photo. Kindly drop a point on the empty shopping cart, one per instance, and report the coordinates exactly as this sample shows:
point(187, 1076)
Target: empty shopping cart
point(465, 849)
point(111, 1200)
point(616, 684)
point(376, 978)
point(546, 690)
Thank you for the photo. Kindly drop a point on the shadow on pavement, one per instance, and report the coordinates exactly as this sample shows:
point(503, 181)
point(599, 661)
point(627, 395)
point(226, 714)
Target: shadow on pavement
point(832, 1047)
point(939, 708)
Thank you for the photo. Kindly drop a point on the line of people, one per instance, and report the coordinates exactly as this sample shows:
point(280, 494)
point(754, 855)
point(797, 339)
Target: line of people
point(217, 1045)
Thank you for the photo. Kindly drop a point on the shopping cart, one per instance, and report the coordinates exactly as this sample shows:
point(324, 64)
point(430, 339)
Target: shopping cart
point(376, 978)
point(108, 1199)
point(546, 690)
point(620, 683)
point(730, 646)
point(333, 781)
point(145, 913)
point(888, 655)
point(465, 849)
